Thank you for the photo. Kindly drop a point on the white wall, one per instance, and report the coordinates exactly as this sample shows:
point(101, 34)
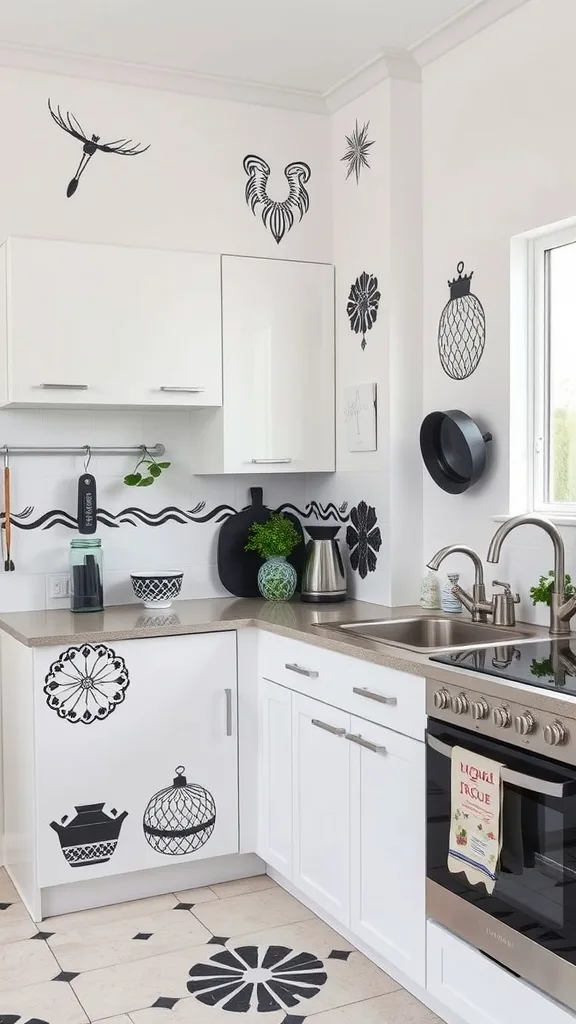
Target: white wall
point(499, 156)
point(186, 192)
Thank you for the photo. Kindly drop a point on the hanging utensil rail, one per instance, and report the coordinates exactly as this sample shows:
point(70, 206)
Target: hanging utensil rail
point(155, 450)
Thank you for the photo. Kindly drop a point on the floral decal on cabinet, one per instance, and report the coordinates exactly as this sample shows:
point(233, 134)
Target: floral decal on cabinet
point(363, 302)
point(86, 684)
point(462, 329)
point(356, 155)
point(91, 837)
point(180, 818)
point(363, 538)
point(90, 144)
point(264, 979)
point(278, 216)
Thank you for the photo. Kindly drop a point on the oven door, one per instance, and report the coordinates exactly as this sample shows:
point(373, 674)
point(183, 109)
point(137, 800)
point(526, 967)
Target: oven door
point(534, 899)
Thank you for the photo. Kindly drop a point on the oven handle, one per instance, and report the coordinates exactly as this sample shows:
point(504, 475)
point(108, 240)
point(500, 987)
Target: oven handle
point(528, 782)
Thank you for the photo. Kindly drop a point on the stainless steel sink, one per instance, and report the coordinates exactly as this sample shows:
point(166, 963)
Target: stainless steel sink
point(429, 634)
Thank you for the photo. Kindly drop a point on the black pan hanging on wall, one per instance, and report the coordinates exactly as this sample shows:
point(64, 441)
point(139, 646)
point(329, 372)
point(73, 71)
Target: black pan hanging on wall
point(454, 449)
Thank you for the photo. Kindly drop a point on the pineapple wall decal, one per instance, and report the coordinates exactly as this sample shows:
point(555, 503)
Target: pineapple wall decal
point(462, 328)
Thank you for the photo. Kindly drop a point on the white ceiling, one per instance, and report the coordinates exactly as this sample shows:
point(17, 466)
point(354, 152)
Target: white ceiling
point(307, 45)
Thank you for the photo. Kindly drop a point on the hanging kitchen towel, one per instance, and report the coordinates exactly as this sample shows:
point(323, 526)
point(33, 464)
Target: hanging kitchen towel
point(475, 822)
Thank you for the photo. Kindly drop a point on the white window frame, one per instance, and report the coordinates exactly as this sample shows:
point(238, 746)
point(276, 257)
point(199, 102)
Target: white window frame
point(538, 377)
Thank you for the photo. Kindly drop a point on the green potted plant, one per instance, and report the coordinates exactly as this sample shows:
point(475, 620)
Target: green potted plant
point(275, 540)
point(542, 592)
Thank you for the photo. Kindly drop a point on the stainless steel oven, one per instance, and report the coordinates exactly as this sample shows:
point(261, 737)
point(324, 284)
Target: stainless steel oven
point(528, 923)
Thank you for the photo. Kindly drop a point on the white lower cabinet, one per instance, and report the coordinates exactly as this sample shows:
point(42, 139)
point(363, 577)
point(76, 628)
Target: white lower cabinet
point(275, 796)
point(135, 755)
point(387, 842)
point(321, 805)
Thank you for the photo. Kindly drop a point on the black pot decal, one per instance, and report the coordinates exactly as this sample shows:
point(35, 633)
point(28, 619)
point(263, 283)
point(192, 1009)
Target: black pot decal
point(90, 145)
point(277, 216)
point(263, 978)
point(180, 818)
point(363, 302)
point(356, 155)
point(86, 683)
point(364, 539)
point(462, 328)
point(91, 837)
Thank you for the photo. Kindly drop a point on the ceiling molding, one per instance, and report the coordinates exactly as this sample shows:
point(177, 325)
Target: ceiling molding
point(145, 77)
point(463, 26)
point(395, 64)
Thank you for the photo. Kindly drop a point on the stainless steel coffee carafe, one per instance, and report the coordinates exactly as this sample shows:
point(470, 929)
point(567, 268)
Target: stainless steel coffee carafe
point(324, 576)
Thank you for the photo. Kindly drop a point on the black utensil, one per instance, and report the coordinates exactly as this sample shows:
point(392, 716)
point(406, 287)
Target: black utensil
point(87, 503)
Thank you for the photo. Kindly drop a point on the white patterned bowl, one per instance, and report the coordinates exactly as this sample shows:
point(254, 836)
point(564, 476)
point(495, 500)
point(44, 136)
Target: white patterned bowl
point(156, 589)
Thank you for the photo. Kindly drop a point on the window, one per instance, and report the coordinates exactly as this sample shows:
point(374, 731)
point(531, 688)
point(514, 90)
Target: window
point(553, 376)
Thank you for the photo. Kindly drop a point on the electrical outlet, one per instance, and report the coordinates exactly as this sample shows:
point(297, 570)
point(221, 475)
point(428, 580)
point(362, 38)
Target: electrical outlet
point(58, 586)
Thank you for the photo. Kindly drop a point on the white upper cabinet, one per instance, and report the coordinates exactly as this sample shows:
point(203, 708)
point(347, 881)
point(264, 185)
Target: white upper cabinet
point(278, 345)
point(99, 325)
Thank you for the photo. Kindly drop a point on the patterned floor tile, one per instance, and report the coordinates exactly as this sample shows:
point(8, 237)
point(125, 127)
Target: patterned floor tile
point(311, 934)
point(397, 1008)
point(15, 923)
point(49, 1002)
point(127, 939)
point(241, 886)
point(256, 910)
point(115, 912)
point(124, 1019)
point(8, 891)
point(202, 895)
point(25, 963)
point(190, 1011)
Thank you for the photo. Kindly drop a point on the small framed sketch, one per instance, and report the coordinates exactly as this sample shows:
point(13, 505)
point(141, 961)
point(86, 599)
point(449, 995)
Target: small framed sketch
point(360, 417)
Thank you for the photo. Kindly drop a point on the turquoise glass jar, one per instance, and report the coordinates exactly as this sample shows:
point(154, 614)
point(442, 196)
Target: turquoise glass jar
point(277, 579)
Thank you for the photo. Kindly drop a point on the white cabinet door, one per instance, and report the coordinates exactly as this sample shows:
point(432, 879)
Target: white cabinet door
point(321, 805)
point(275, 775)
point(388, 845)
point(110, 325)
point(278, 342)
point(116, 724)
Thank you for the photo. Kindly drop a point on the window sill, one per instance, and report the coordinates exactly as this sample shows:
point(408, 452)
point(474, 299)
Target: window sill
point(558, 520)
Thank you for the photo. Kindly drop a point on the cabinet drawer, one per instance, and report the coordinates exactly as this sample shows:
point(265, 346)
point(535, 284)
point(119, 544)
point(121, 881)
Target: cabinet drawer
point(380, 694)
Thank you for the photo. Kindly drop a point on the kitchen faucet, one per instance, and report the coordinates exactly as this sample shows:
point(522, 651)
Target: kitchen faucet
point(501, 607)
point(561, 608)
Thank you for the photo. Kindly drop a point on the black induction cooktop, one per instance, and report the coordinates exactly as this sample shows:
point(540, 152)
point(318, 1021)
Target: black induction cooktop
point(550, 664)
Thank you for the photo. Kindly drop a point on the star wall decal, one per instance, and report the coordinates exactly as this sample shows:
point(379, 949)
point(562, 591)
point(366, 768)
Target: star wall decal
point(356, 156)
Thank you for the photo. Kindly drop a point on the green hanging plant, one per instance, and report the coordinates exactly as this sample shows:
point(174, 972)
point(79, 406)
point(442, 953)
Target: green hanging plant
point(542, 592)
point(146, 471)
point(276, 538)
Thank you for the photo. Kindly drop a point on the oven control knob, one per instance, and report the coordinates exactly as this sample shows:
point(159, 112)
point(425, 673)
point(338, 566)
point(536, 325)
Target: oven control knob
point(501, 717)
point(524, 724)
point(459, 704)
point(441, 699)
point(480, 709)
point(555, 734)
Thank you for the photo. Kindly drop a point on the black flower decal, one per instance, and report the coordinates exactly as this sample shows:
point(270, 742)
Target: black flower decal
point(363, 301)
point(356, 155)
point(262, 979)
point(363, 538)
point(86, 683)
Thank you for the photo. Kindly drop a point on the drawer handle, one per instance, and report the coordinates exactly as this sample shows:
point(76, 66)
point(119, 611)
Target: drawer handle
point(328, 728)
point(190, 391)
point(372, 695)
point(302, 671)
point(64, 387)
point(228, 693)
point(374, 747)
point(270, 462)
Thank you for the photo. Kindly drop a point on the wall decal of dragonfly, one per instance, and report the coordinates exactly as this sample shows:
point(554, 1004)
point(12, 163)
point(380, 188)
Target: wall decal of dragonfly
point(90, 145)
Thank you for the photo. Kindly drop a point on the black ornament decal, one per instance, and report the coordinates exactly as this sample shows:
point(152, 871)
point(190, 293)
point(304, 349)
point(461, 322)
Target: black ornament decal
point(278, 216)
point(263, 978)
point(86, 683)
point(356, 156)
point(70, 124)
point(363, 538)
point(91, 837)
point(181, 818)
point(462, 329)
point(363, 302)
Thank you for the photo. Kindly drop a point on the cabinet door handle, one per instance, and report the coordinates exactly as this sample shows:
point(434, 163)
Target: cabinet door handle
point(328, 728)
point(310, 672)
point(270, 462)
point(189, 391)
point(228, 693)
point(372, 695)
point(374, 747)
point(64, 387)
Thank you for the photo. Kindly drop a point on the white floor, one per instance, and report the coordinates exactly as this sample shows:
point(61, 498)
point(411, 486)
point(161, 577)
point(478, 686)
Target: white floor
point(243, 947)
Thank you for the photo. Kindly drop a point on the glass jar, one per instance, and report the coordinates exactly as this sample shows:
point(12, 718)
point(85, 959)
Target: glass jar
point(86, 592)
